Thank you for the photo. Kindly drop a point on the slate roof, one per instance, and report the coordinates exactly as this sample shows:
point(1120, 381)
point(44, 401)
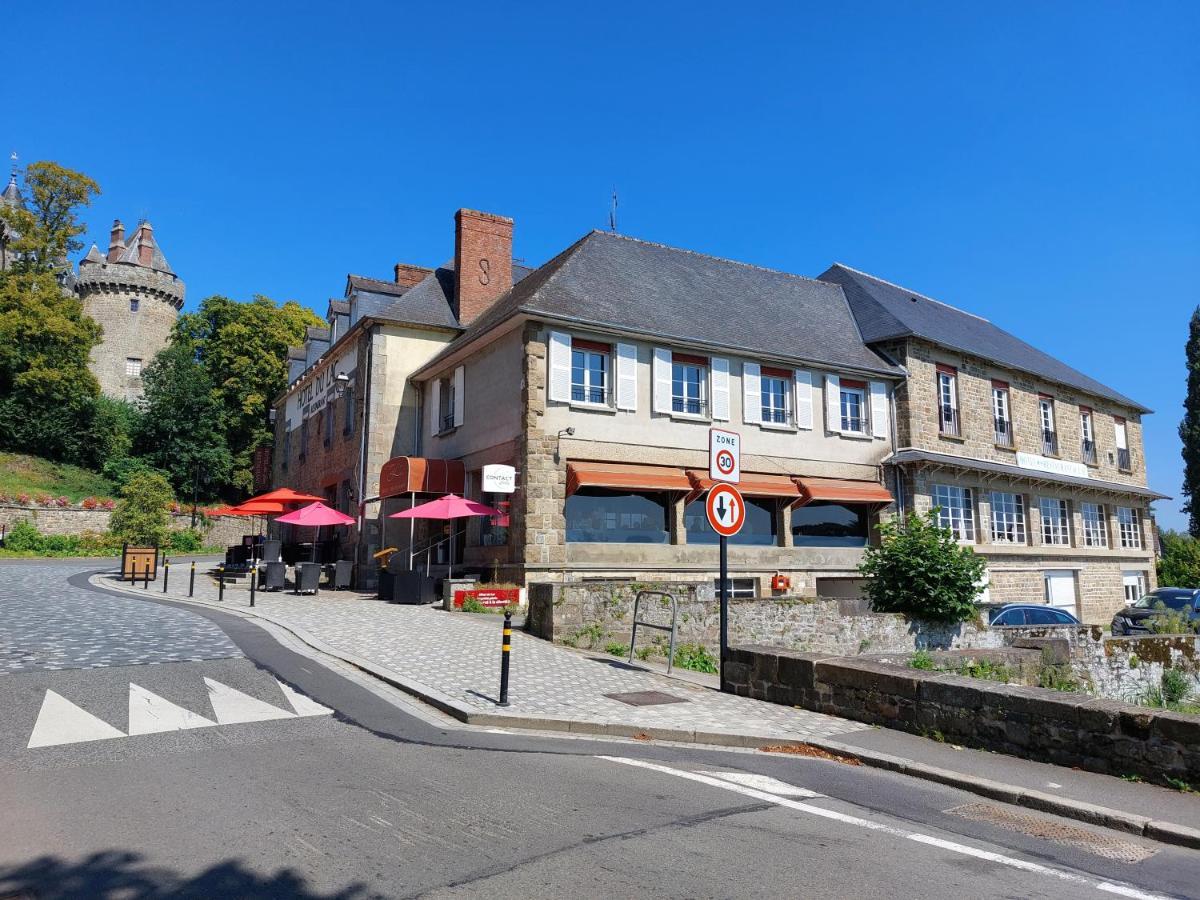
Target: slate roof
point(912, 456)
point(373, 285)
point(339, 307)
point(131, 255)
point(886, 311)
point(612, 281)
point(431, 300)
point(316, 333)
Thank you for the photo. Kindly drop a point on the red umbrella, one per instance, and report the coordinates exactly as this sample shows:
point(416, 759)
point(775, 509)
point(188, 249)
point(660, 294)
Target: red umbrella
point(283, 495)
point(314, 516)
point(450, 506)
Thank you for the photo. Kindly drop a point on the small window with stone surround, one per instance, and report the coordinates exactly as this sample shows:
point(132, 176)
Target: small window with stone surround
point(133, 367)
point(134, 303)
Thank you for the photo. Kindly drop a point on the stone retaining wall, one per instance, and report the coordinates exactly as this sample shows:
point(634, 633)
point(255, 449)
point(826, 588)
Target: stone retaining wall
point(1066, 729)
point(76, 520)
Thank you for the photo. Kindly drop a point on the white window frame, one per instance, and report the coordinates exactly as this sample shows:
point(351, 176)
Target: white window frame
point(736, 590)
point(133, 367)
point(844, 409)
point(947, 398)
point(1055, 521)
point(768, 410)
point(1129, 522)
point(683, 399)
point(586, 387)
point(1095, 527)
point(1002, 412)
point(1008, 517)
point(956, 510)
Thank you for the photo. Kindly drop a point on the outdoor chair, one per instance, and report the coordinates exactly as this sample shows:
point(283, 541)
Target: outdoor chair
point(271, 550)
point(274, 576)
point(343, 575)
point(308, 577)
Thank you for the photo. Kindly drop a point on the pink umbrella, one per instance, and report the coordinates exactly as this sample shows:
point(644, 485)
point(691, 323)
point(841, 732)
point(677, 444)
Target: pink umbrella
point(450, 506)
point(314, 516)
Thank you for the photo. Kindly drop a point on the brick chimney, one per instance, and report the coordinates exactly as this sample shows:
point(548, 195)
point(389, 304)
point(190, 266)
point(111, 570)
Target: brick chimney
point(116, 241)
point(482, 261)
point(145, 244)
point(408, 276)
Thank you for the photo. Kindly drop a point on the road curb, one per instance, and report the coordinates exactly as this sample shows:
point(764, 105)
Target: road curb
point(1163, 832)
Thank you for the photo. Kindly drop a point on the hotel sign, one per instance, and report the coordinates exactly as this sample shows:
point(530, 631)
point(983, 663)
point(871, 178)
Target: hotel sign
point(1051, 465)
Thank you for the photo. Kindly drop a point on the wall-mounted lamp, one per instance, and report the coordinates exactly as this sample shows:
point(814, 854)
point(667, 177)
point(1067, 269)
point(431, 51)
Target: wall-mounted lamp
point(568, 432)
point(342, 382)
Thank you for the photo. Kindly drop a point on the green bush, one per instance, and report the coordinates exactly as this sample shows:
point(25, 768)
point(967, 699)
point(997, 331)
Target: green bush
point(920, 570)
point(922, 659)
point(23, 538)
point(696, 658)
point(1179, 565)
point(615, 648)
point(1175, 686)
point(187, 541)
point(141, 515)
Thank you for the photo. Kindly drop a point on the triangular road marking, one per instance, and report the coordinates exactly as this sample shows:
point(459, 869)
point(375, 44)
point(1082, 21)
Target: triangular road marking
point(304, 706)
point(150, 713)
point(62, 722)
point(233, 707)
point(763, 783)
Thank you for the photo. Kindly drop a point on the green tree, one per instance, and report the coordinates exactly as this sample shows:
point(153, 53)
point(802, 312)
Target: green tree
point(242, 347)
point(920, 570)
point(141, 514)
point(47, 228)
point(179, 432)
point(1189, 428)
point(112, 425)
point(1179, 565)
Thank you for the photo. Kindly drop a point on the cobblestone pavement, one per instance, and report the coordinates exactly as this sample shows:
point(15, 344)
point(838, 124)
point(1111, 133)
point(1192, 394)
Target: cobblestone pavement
point(457, 655)
point(46, 623)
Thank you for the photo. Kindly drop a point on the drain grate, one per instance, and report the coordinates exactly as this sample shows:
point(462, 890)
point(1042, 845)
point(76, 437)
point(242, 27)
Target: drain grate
point(645, 698)
point(1049, 829)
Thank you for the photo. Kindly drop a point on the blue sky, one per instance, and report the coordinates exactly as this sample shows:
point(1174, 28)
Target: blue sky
point(1033, 163)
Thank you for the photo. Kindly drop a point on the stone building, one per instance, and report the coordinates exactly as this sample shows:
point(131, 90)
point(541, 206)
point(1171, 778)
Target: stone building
point(136, 297)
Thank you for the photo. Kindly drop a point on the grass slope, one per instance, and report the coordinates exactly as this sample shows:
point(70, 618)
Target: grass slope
point(22, 474)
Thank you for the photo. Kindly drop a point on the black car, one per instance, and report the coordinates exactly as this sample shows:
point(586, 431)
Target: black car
point(1136, 619)
point(1031, 614)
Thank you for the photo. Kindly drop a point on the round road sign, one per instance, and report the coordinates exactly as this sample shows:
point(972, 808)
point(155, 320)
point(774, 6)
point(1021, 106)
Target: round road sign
point(725, 462)
point(726, 509)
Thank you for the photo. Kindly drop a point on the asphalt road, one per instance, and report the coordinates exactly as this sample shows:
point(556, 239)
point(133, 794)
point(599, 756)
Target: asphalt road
point(385, 798)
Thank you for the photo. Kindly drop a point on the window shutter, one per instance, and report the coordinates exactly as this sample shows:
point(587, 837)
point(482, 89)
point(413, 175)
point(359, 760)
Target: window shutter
point(627, 377)
point(459, 396)
point(435, 406)
point(1122, 437)
point(560, 367)
point(720, 389)
point(751, 393)
point(804, 410)
point(662, 380)
point(833, 403)
point(879, 409)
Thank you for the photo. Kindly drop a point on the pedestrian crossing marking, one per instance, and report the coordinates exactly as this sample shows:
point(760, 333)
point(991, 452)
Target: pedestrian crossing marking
point(62, 722)
point(151, 714)
point(233, 707)
point(304, 706)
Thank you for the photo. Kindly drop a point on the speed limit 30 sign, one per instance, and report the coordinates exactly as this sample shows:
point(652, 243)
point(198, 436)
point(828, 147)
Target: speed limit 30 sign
point(724, 455)
point(726, 510)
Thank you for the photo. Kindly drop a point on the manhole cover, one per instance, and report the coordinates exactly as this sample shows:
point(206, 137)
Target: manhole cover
point(1049, 829)
point(645, 698)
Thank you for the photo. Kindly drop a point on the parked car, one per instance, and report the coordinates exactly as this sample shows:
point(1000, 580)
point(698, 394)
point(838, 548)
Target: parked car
point(1031, 614)
point(1138, 618)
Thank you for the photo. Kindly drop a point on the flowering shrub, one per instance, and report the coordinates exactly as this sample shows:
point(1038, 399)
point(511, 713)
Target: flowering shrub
point(62, 502)
point(23, 499)
point(89, 503)
point(4, 498)
point(107, 503)
point(176, 509)
point(44, 500)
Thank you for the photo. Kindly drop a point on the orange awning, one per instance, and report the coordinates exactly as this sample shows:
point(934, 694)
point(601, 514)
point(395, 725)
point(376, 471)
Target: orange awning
point(840, 490)
point(625, 475)
point(753, 484)
point(417, 475)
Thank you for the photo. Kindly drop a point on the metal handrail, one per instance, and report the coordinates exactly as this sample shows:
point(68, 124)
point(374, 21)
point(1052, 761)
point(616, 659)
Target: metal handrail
point(637, 601)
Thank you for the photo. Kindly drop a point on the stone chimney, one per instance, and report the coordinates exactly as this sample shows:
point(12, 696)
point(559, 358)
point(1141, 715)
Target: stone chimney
point(482, 262)
point(116, 241)
point(408, 276)
point(145, 245)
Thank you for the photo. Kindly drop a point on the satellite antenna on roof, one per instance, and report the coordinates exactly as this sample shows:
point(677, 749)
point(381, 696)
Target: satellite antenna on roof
point(612, 213)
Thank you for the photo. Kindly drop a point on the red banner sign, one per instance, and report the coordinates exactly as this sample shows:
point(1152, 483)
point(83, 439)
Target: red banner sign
point(495, 599)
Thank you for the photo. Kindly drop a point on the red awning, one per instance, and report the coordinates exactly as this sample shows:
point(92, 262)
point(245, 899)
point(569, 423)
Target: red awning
point(417, 475)
point(625, 475)
point(840, 490)
point(753, 484)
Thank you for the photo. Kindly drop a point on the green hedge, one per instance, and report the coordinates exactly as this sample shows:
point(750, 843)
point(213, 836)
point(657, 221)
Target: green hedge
point(24, 539)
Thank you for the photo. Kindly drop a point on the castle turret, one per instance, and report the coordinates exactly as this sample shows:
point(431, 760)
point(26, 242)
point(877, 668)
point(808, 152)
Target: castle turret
point(136, 297)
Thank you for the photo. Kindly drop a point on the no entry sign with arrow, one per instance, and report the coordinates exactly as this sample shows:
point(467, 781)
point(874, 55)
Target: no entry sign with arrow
point(726, 510)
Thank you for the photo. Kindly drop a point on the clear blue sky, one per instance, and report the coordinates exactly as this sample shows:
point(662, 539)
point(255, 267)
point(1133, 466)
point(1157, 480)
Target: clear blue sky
point(1035, 163)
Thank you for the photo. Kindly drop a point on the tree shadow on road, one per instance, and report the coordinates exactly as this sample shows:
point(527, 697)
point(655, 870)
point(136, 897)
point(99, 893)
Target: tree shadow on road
point(125, 875)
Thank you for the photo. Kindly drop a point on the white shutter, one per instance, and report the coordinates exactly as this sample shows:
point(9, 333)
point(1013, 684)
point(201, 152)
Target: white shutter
point(720, 389)
point(662, 380)
point(804, 412)
point(879, 409)
point(459, 397)
point(560, 367)
point(751, 393)
point(435, 406)
point(627, 377)
point(1122, 437)
point(833, 403)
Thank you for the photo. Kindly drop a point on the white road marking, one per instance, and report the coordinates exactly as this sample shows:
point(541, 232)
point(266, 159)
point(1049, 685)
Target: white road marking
point(1024, 865)
point(151, 714)
point(62, 722)
point(764, 783)
point(232, 707)
point(1053, 784)
point(304, 706)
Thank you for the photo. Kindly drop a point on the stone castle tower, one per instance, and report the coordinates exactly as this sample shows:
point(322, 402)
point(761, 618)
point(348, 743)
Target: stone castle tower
point(136, 297)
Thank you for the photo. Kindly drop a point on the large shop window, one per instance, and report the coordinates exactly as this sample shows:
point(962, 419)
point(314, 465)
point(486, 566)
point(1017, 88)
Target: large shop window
point(760, 528)
point(823, 523)
point(601, 515)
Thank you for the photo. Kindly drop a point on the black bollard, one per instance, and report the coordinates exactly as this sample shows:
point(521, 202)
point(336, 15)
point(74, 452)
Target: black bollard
point(221, 584)
point(253, 582)
point(505, 650)
point(192, 579)
point(166, 573)
point(146, 582)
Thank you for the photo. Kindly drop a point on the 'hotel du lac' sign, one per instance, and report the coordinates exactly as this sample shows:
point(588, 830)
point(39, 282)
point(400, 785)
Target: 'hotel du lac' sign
point(1053, 466)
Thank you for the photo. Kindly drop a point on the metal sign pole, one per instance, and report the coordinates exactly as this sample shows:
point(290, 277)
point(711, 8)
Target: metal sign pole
point(724, 603)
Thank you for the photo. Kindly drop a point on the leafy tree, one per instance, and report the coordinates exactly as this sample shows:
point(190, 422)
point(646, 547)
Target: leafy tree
point(179, 431)
point(47, 228)
point(1189, 428)
point(1179, 565)
point(920, 570)
point(243, 349)
point(111, 428)
point(141, 514)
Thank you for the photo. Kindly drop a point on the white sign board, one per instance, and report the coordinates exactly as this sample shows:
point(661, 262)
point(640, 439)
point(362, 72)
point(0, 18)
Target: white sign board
point(1054, 466)
point(724, 455)
point(497, 479)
